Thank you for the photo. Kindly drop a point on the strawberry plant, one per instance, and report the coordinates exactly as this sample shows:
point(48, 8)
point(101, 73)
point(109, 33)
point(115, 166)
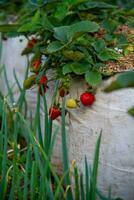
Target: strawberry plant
point(73, 38)
point(77, 38)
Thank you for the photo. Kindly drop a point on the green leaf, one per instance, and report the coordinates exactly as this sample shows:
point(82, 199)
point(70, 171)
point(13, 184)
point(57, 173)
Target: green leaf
point(77, 68)
point(131, 24)
point(110, 25)
point(93, 5)
point(65, 33)
point(60, 33)
point(99, 45)
point(82, 27)
point(47, 25)
point(65, 151)
point(33, 25)
point(74, 2)
point(73, 55)
point(124, 80)
point(26, 27)
point(61, 11)
point(93, 77)
point(13, 34)
point(131, 111)
point(54, 46)
point(36, 17)
point(108, 54)
point(9, 27)
point(66, 69)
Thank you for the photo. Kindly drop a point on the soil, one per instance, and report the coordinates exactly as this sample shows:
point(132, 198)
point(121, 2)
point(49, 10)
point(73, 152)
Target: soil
point(125, 62)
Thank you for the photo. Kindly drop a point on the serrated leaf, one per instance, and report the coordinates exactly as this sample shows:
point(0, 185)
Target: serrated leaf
point(65, 33)
point(108, 54)
point(79, 68)
point(75, 67)
point(93, 77)
point(99, 45)
point(54, 46)
point(82, 27)
point(66, 69)
point(73, 55)
point(60, 33)
point(61, 11)
point(33, 25)
point(47, 25)
point(110, 25)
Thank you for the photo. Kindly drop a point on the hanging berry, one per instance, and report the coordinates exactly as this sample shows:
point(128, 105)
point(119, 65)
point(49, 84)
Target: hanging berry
point(54, 112)
point(87, 99)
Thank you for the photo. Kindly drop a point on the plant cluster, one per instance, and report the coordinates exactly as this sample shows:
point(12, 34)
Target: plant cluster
point(73, 39)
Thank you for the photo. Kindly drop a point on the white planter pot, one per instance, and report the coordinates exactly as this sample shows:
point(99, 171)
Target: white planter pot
point(109, 114)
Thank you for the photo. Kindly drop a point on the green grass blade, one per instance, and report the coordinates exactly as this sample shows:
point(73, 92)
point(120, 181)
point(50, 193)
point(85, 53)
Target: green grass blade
point(87, 182)
point(17, 81)
point(27, 171)
point(58, 191)
point(34, 181)
point(4, 157)
point(82, 188)
point(65, 151)
point(46, 124)
point(10, 93)
point(77, 189)
point(37, 123)
point(21, 98)
point(95, 170)
point(15, 160)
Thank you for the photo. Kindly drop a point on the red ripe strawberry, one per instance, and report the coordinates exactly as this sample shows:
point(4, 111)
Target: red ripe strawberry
point(31, 43)
point(54, 112)
point(87, 99)
point(43, 80)
point(36, 63)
